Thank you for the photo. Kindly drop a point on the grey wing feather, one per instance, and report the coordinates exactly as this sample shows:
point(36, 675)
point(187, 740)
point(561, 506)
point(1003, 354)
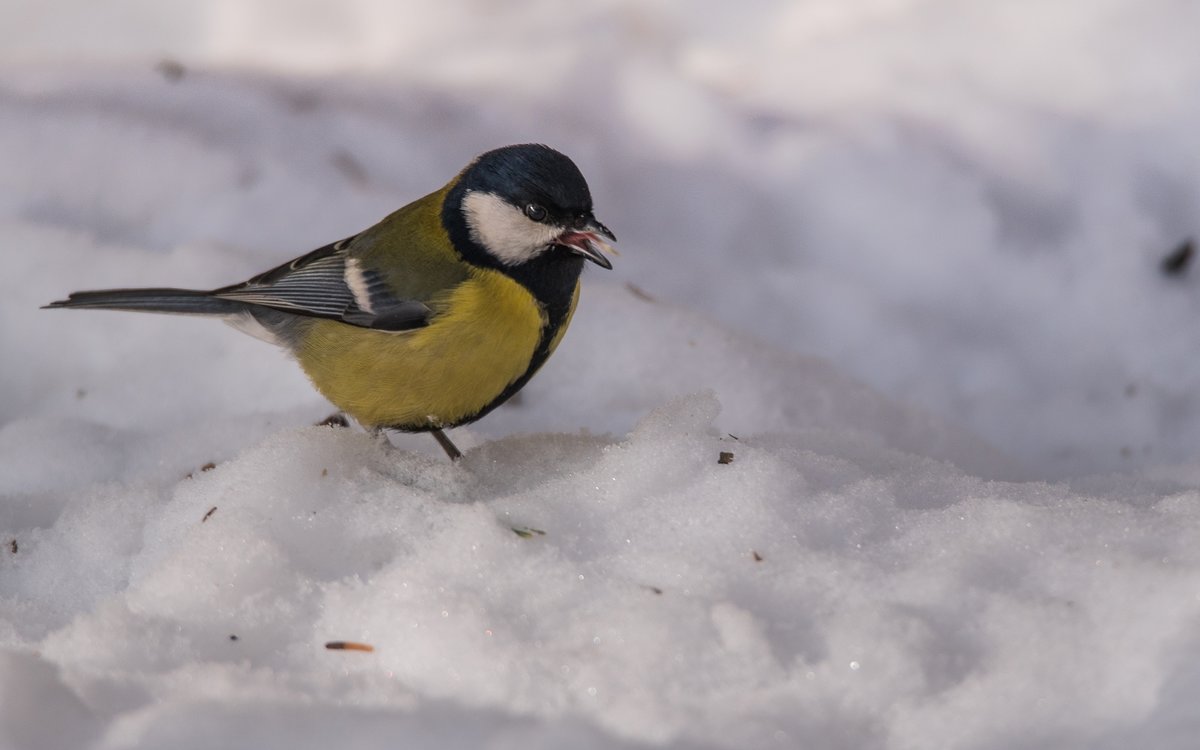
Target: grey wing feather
point(327, 283)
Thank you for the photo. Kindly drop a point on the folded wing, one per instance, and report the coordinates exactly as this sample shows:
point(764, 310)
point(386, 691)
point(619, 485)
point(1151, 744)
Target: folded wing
point(328, 283)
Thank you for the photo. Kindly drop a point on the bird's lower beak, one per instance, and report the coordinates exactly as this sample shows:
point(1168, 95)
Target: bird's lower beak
point(587, 241)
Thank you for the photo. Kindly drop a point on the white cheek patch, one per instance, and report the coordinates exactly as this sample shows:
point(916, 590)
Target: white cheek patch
point(504, 230)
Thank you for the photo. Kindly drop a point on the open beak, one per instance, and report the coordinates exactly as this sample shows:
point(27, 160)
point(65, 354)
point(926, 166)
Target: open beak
point(588, 240)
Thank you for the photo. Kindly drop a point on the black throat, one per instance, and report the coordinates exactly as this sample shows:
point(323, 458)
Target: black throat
point(550, 277)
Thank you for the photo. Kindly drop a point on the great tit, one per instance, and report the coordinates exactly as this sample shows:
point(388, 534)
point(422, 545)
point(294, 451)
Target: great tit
point(437, 314)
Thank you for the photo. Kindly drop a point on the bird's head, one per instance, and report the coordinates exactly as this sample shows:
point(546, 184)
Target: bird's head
point(518, 203)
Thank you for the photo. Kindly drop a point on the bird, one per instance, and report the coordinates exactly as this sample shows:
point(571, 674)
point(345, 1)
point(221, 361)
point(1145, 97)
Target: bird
point(434, 316)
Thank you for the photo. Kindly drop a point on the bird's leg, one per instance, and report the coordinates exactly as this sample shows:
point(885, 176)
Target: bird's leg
point(453, 452)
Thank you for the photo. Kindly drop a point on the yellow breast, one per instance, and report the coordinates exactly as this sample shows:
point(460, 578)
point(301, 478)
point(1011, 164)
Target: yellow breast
point(482, 337)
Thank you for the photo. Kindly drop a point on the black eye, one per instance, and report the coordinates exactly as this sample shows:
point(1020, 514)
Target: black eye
point(535, 212)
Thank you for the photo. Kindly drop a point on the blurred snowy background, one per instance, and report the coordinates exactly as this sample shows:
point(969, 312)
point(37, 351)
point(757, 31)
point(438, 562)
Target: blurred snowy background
point(909, 252)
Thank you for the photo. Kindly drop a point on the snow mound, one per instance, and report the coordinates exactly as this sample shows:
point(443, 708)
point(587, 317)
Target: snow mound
point(638, 589)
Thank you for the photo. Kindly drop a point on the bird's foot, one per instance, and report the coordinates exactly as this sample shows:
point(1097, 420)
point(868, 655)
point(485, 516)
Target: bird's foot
point(337, 419)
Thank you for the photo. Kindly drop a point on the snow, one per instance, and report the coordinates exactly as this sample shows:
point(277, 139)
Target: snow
point(900, 258)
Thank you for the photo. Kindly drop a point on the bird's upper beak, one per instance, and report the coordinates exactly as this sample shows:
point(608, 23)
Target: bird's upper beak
point(585, 240)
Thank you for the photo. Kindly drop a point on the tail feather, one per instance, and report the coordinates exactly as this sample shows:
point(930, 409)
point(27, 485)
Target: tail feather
point(181, 301)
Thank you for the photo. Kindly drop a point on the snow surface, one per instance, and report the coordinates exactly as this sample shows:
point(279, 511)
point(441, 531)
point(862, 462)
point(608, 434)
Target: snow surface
point(900, 258)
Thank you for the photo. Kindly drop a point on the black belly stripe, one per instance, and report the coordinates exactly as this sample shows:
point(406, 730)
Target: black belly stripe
point(551, 279)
